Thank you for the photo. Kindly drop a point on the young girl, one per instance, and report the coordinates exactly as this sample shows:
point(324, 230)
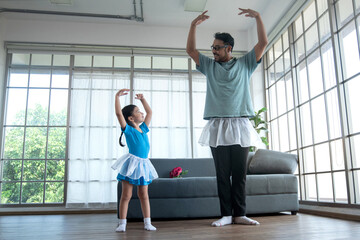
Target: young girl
point(134, 168)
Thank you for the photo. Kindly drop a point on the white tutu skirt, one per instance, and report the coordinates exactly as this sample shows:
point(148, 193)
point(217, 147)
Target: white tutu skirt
point(229, 131)
point(135, 170)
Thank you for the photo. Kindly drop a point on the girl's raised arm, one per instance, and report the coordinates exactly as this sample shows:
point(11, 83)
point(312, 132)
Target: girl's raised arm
point(146, 107)
point(118, 111)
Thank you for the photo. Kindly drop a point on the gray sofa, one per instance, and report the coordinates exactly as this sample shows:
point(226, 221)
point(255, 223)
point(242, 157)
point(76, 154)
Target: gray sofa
point(271, 187)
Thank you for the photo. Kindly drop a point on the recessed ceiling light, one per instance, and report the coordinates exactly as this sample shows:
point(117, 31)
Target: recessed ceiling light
point(64, 2)
point(195, 5)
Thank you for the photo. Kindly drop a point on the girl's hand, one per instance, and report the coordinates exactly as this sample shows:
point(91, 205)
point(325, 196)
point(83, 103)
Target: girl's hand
point(139, 96)
point(122, 92)
point(248, 13)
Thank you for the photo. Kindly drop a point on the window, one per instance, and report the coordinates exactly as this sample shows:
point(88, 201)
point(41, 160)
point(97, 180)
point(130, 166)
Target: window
point(312, 110)
point(60, 130)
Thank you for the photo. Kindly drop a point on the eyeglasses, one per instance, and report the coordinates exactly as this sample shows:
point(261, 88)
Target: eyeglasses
point(217, 47)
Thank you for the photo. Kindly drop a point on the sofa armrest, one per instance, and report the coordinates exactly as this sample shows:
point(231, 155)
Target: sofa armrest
point(272, 162)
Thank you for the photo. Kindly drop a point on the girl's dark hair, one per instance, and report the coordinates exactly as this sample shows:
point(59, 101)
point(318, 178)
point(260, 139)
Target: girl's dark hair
point(127, 111)
point(226, 38)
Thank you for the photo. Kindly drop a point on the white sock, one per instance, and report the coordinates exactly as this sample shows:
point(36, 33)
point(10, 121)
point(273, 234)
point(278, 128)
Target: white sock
point(122, 226)
point(245, 220)
point(147, 225)
point(222, 222)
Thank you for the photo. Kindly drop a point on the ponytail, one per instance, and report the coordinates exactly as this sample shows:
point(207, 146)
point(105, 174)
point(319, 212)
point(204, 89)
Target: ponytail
point(127, 111)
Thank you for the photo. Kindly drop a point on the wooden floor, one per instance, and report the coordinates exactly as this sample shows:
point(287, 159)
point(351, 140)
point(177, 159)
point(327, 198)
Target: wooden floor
point(102, 226)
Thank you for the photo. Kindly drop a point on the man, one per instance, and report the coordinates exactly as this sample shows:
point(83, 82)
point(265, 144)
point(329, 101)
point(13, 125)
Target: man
point(228, 107)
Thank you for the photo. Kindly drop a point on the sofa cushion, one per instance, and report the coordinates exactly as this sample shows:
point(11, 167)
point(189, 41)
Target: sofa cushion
point(189, 187)
point(271, 162)
point(271, 184)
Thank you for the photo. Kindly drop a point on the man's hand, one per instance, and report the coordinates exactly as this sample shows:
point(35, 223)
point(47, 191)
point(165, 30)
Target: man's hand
point(248, 13)
point(201, 18)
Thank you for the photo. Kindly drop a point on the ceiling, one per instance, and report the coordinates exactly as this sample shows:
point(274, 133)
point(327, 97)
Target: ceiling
point(170, 13)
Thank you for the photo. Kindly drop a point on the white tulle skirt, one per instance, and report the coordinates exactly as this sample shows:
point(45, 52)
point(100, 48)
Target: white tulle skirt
point(229, 131)
point(135, 170)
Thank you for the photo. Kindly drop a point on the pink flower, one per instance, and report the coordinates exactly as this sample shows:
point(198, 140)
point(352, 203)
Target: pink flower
point(176, 172)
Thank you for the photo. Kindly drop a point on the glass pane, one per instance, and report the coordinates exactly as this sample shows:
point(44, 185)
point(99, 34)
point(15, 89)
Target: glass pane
point(57, 143)
point(142, 62)
point(325, 187)
point(34, 170)
point(60, 79)
point(319, 119)
point(292, 130)
point(281, 94)
point(328, 64)
point(41, 59)
point(18, 78)
point(20, 59)
point(315, 75)
point(344, 11)
point(298, 27)
point(35, 142)
point(122, 62)
point(303, 83)
point(353, 98)
point(16, 105)
point(161, 63)
point(337, 154)
point(305, 119)
point(310, 188)
point(40, 78)
point(357, 3)
point(61, 60)
point(287, 61)
point(10, 193)
point(278, 48)
point(11, 170)
point(340, 187)
point(103, 61)
point(270, 56)
point(321, 6)
point(289, 91)
point(309, 15)
point(286, 40)
point(272, 102)
point(58, 107)
point(55, 170)
point(54, 192)
point(271, 72)
point(333, 114)
point(14, 142)
point(279, 67)
point(311, 38)
point(324, 26)
point(357, 186)
point(350, 58)
point(308, 155)
point(283, 134)
point(180, 63)
point(82, 61)
point(355, 151)
point(274, 130)
point(322, 154)
point(32, 192)
point(299, 50)
point(37, 113)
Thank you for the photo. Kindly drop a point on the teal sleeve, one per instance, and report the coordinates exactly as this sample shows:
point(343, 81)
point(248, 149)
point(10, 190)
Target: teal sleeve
point(250, 60)
point(204, 62)
point(144, 127)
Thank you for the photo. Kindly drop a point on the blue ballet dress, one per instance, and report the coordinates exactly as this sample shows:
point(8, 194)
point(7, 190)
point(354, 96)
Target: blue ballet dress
point(135, 166)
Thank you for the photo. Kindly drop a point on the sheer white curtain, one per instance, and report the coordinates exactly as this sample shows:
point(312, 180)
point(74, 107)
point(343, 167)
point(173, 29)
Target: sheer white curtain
point(168, 96)
point(93, 139)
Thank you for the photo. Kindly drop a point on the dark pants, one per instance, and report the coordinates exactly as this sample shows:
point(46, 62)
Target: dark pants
point(231, 161)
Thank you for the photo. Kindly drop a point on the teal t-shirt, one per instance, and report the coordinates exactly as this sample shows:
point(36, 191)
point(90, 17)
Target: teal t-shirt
point(228, 86)
point(137, 142)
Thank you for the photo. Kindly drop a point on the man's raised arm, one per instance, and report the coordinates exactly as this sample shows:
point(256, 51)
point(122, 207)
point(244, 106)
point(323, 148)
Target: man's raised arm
point(191, 41)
